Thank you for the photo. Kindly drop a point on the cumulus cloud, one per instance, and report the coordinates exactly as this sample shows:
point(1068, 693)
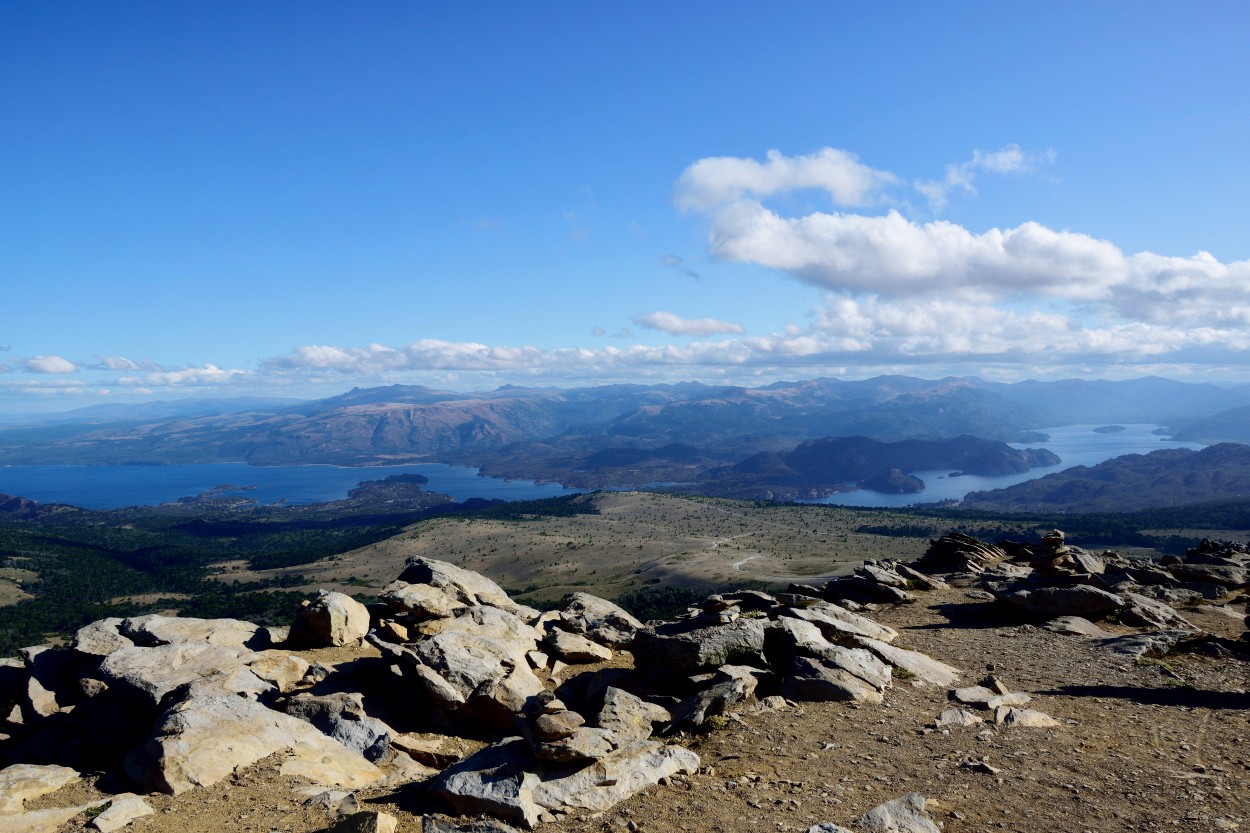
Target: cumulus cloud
point(49, 364)
point(893, 255)
point(675, 325)
point(724, 179)
point(960, 177)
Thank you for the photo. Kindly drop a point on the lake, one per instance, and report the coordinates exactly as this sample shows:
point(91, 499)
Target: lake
point(1076, 445)
point(112, 487)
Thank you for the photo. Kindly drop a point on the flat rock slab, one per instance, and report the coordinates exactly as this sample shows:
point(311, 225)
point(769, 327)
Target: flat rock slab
point(1008, 716)
point(924, 668)
point(1143, 645)
point(1076, 626)
point(124, 809)
point(683, 648)
point(203, 739)
point(506, 781)
point(20, 783)
point(41, 821)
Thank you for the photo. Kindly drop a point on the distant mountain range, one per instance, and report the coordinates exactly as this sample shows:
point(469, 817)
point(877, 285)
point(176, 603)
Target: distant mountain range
point(618, 435)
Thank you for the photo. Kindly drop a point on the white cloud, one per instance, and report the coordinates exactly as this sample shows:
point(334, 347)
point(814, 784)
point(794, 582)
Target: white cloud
point(208, 375)
point(49, 364)
point(891, 255)
point(124, 364)
point(723, 179)
point(1008, 160)
point(674, 325)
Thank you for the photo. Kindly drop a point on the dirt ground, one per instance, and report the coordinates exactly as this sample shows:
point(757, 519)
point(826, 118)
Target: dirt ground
point(1141, 746)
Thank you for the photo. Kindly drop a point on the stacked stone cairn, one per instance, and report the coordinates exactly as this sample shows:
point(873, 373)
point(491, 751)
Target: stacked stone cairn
point(1071, 588)
point(445, 682)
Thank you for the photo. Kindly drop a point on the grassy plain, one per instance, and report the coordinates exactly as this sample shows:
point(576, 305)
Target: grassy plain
point(637, 539)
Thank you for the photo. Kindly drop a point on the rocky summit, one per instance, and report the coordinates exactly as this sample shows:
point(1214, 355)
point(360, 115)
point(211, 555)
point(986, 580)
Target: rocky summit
point(1023, 686)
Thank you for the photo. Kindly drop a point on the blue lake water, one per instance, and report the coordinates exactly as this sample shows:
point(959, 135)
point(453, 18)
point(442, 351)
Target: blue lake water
point(111, 487)
point(1076, 445)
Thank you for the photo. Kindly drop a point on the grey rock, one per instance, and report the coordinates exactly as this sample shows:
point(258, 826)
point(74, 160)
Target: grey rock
point(680, 649)
point(1076, 626)
point(204, 739)
point(1079, 600)
point(101, 638)
point(1146, 645)
point(922, 667)
point(836, 622)
point(600, 620)
point(629, 717)
point(20, 783)
point(1142, 612)
point(366, 821)
point(152, 673)
point(956, 717)
point(902, 815)
point(155, 629)
point(465, 586)
point(814, 679)
point(122, 810)
point(575, 649)
point(1007, 716)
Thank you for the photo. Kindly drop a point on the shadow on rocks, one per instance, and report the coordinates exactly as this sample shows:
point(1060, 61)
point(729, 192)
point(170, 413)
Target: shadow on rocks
point(1165, 696)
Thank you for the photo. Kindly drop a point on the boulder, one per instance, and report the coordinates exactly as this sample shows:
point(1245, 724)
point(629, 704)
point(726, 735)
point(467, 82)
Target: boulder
point(629, 717)
point(575, 649)
point(155, 629)
point(331, 619)
point(420, 601)
point(464, 586)
point(283, 670)
point(204, 739)
point(504, 780)
point(1076, 626)
point(365, 821)
point(1049, 602)
point(729, 686)
point(684, 648)
point(41, 821)
point(814, 679)
point(100, 638)
point(598, 619)
point(342, 717)
point(149, 674)
point(837, 622)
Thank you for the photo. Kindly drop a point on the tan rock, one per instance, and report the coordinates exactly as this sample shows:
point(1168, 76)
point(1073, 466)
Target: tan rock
point(20, 783)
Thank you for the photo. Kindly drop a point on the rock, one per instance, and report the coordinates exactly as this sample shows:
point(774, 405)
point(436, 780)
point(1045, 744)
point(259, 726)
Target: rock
point(628, 717)
point(827, 827)
point(283, 670)
point(902, 815)
point(1152, 645)
point(476, 669)
point(332, 619)
point(682, 649)
point(576, 649)
point(504, 781)
point(1142, 612)
point(957, 552)
point(923, 668)
point(155, 629)
point(420, 601)
point(1008, 716)
point(342, 716)
point(562, 724)
point(865, 590)
point(152, 673)
point(730, 686)
point(600, 620)
point(1172, 596)
point(956, 717)
point(1076, 626)
point(464, 586)
point(1228, 576)
point(584, 744)
point(22, 782)
point(123, 809)
point(1014, 698)
point(204, 739)
point(836, 622)
point(918, 579)
point(426, 749)
point(1079, 600)
point(41, 821)
point(978, 696)
point(814, 679)
point(366, 821)
point(100, 638)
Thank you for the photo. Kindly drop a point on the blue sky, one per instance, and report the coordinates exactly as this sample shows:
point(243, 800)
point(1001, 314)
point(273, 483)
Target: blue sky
point(294, 198)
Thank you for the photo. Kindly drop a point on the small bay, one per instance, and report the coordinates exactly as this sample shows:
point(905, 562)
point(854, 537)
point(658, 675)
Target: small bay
point(112, 487)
